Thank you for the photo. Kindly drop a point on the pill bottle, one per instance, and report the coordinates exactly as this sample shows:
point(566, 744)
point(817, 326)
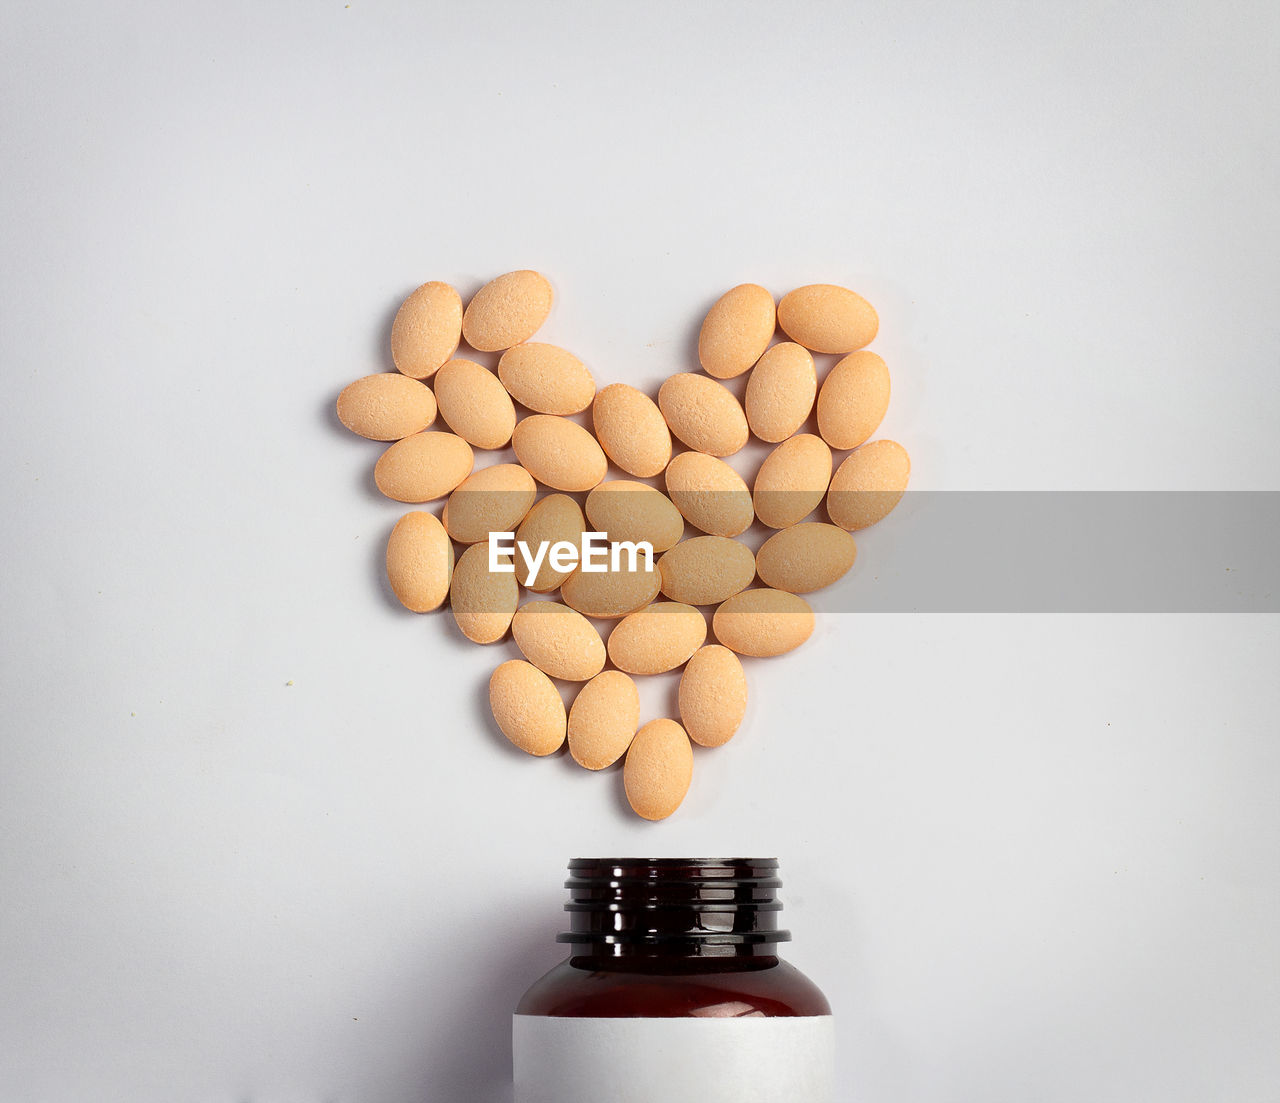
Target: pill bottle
point(673, 992)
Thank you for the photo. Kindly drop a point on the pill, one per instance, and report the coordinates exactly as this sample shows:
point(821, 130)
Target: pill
point(507, 311)
point(736, 330)
point(780, 392)
point(869, 483)
point(494, 499)
point(627, 510)
point(763, 622)
point(603, 720)
point(709, 494)
point(426, 330)
point(657, 638)
point(853, 400)
point(423, 467)
point(713, 695)
point(386, 406)
point(559, 641)
point(546, 378)
point(805, 557)
point(611, 593)
point(558, 452)
point(706, 570)
point(527, 707)
point(474, 404)
point(419, 561)
point(658, 769)
point(792, 481)
point(554, 519)
point(827, 318)
point(703, 413)
point(631, 430)
point(482, 601)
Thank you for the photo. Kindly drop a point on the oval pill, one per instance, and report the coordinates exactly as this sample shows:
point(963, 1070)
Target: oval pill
point(546, 378)
point(763, 622)
point(703, 413)
point(736, 330)
point(423, 467)
point(474, 404)
point(780, 392)
point(559, 453)
point(709, 494)
point(658, 769)
point(527, 707)
point(507, 310)
point(631, 430)
point(713, 695)
point(658, 638)
point(792, 481)
point(559, 641)
point(555, 519)
point(867, 486)
point(853, 400)
point(426, 329)
point(482, 601)
point(609, 594)
point(827, 318)
point(603, 720)
point(633, 511)
point(494, 499)
point(386, 406)
point(806, 557)
point(706, 570)
point(419, 561)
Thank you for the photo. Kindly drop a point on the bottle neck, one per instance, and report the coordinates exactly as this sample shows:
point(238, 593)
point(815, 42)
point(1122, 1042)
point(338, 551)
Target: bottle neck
point(670, 909)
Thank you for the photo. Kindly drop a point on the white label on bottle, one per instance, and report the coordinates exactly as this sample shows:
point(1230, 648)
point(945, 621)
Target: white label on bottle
point(693, 1060)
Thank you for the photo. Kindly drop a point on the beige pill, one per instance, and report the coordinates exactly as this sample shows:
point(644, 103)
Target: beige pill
point(423, 467)
point(559, 452)
point(709, 494)
point(554, 519)
point(869, 483)
point(426, 330)
point(633, 511)
point(546, 378)
point(386, 406)
point(853, 400)
point(805, 557)
point(612, 593)
point(763, 622)
point(658, 770)
point(527, 707)
point(706, 570)
point(713, 695)
point(419, 561)
point(827, 318)
point(506, 311)
point(791, 481)
point(736, 330)
point(474, 404)
point(482, 601)
point(631, 430)
point(603, 720)
point(703, 413)
point(494, 499)
point(780, 392)
point(657, 638)
point(558, 640)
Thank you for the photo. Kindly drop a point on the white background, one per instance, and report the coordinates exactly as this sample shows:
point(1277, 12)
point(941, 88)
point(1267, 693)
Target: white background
point(259, 841)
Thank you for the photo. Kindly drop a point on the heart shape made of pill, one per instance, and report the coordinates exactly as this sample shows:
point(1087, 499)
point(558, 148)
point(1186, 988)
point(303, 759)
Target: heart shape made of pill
point(516, 523)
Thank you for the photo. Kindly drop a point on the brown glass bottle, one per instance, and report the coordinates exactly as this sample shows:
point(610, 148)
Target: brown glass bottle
point(671, 939)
